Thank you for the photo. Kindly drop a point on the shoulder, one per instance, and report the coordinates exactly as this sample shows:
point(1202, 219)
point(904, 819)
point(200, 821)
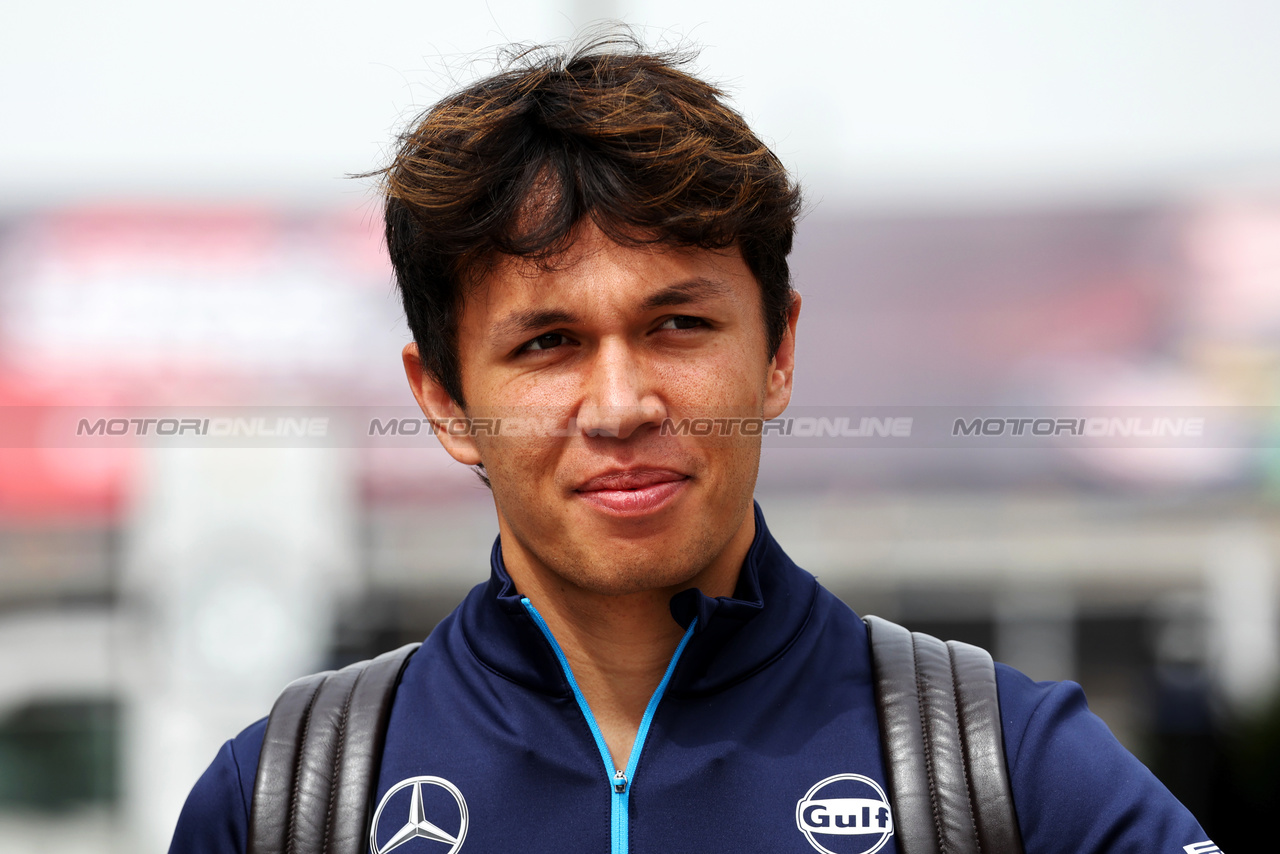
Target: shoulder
point(1076, 788)
point(215, 818)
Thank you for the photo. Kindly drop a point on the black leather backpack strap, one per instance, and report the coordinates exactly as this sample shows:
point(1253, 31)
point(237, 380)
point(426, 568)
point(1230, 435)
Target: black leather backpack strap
point(320, 758)
point(943, 744)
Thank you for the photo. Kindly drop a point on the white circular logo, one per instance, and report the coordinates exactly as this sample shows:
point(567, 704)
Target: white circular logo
point(845, 814)
point(418, 825)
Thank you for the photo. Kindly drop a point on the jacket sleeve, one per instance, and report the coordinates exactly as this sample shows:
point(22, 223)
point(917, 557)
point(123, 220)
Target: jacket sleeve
point(1076, 789)
point(215, 818)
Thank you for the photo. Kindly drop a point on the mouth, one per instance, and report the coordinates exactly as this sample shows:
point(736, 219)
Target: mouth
point(634, 492)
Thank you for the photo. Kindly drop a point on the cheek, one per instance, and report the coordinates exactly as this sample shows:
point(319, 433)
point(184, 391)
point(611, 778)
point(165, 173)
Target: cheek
point(729, 385)
point(538, 404)
point(521, 458)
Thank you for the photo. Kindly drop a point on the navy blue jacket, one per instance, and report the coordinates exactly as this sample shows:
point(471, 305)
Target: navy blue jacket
point(763, 737)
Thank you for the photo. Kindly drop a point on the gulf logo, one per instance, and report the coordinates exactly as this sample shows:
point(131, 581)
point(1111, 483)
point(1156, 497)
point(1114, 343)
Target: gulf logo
point(845, 814)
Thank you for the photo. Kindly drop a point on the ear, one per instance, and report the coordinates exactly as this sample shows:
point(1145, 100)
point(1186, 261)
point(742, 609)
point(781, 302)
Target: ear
point(778, 388)
point(439, 407)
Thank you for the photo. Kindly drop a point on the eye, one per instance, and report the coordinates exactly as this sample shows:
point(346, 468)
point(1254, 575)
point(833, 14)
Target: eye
point(682, 321)
point(544, 342)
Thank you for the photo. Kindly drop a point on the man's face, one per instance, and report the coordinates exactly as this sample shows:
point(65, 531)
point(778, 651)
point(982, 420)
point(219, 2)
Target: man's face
point(591, 357)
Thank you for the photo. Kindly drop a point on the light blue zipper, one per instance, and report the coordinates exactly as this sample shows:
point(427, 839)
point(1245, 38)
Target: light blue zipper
point(620, 782)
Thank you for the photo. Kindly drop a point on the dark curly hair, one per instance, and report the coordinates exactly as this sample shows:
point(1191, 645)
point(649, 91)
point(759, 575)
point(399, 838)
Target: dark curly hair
point(509, 166)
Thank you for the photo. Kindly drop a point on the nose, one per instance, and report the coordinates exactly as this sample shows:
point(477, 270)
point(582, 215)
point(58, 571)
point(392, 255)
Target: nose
point(619, 397)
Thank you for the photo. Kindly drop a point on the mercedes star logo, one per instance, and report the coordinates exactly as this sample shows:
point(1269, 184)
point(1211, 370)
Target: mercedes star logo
point(418, 826)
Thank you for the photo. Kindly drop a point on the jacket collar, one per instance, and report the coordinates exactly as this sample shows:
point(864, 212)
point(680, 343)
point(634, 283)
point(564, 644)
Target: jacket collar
point(736, 636)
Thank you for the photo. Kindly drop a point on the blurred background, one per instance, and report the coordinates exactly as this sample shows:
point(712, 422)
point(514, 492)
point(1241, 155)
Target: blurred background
point(1009, 205)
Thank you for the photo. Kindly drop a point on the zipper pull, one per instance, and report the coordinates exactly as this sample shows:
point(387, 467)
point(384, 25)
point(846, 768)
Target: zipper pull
point(620, 782)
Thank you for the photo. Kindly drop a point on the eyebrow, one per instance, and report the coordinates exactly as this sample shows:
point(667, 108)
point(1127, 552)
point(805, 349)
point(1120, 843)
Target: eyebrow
point(523, 323)
point(685, 292)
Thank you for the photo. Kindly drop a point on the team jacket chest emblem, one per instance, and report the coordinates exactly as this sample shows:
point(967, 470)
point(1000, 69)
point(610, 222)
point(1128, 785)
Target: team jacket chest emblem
point(420, 808)
point(845, 814)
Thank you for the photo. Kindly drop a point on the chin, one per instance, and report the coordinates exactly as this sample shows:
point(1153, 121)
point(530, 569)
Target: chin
point(621, 567)
point(615, 577)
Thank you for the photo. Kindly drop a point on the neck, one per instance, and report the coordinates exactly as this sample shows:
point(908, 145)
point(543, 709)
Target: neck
point(618, 646)
point(618, 651)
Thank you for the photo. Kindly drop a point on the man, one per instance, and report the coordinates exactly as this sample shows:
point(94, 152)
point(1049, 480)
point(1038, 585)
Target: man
point(592, 246)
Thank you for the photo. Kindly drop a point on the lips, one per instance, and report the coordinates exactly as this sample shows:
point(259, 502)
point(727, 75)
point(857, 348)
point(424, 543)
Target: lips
point(633, 492)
